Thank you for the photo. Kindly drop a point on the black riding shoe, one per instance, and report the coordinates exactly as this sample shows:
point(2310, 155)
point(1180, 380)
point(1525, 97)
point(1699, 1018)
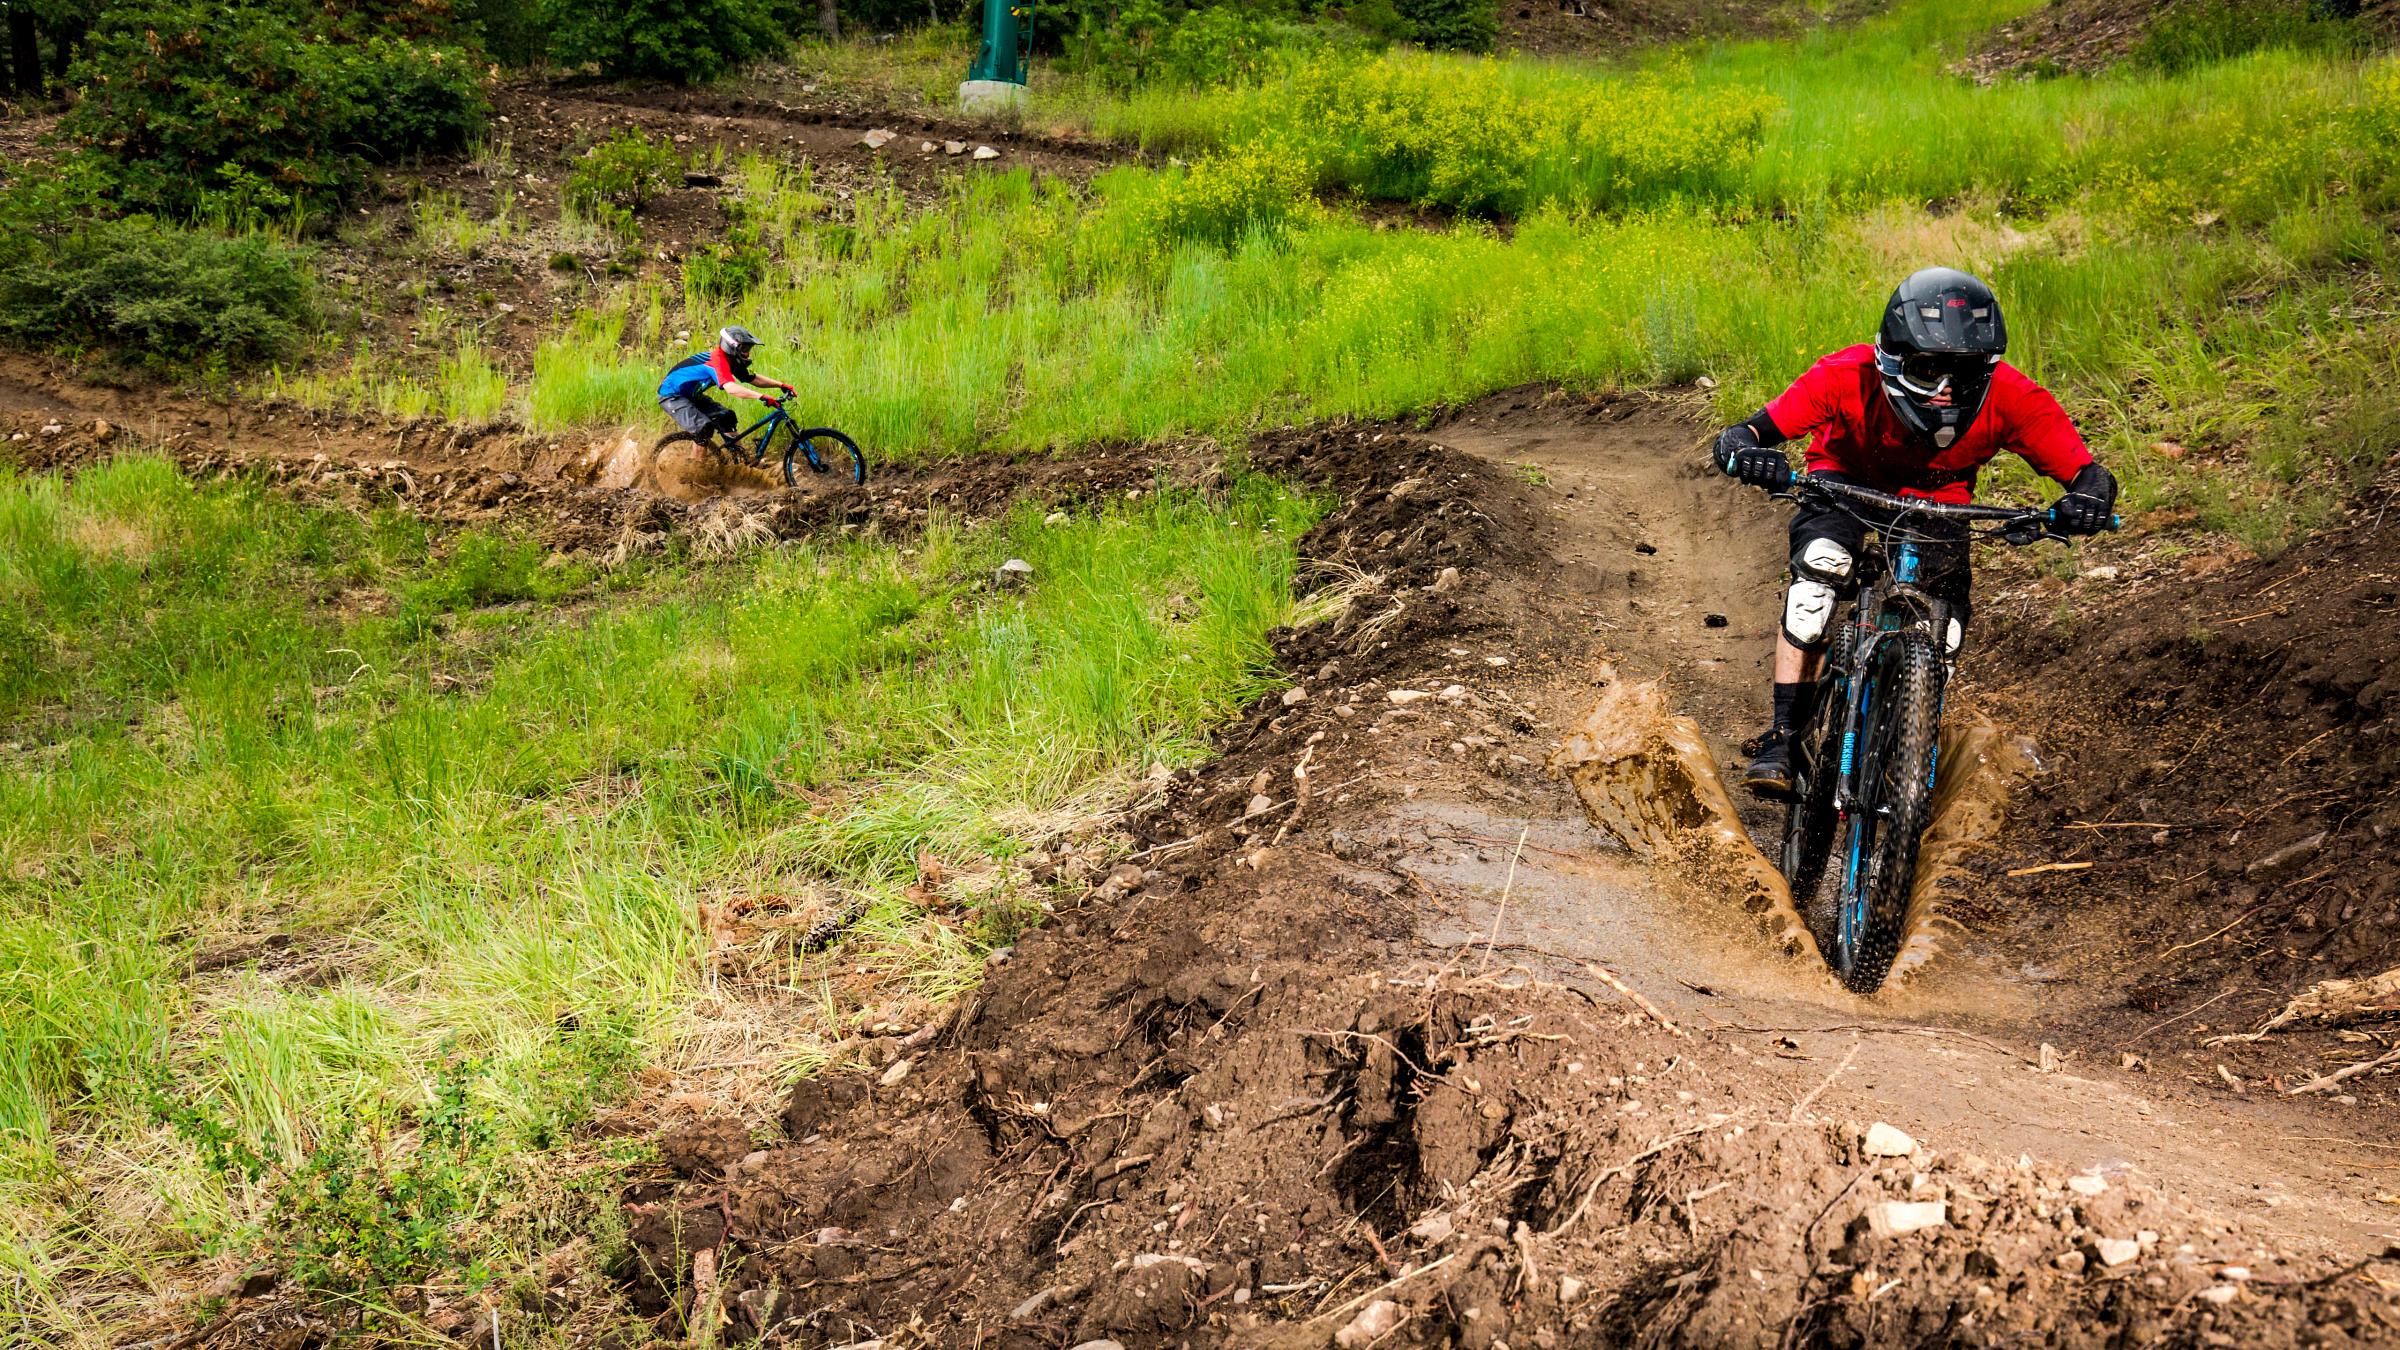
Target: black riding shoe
point(1770, 773)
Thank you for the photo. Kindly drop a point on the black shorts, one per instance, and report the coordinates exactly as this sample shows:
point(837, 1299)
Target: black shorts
point(699, 414)
point(1946, 572)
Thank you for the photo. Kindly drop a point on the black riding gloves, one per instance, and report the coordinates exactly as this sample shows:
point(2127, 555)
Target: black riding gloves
point(1739, 455)
point(2089, 505)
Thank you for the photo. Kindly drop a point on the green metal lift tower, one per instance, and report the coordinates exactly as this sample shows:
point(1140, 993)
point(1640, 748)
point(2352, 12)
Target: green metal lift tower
point(997, 79)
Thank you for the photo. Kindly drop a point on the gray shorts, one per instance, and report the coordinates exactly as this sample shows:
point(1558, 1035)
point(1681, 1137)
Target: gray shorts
point(700, 414)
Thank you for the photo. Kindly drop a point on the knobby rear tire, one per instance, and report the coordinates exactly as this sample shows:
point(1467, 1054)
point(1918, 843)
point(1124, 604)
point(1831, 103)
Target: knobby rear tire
point(1902, 737)
point(1808, 823)
point(646, 476)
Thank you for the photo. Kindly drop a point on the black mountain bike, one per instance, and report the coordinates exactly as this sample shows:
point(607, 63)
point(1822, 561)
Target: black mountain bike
point(811, 446)
point(1863, 756)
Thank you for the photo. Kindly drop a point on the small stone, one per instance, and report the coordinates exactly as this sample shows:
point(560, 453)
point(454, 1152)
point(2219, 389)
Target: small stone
point(53, 428)
point(925, 147)
point(2237, 1274)
point(2117, 1251)
point(878, 138)
point(1433, 1228)
point(1012, 574)
point(1445, 580)
point(2100, 573)
point(1100, 1345)
point(986, 152)
point(1055, 518)
point(2070, 1262)
point(1454, 693)
point(1294, 697)
point(101, 430)
point(2220, 1294)
point(1569, 1289)
point(1042, 1298)
point(1885, 1141)
point(1259, 806)
point(1894, 1218)
point(2088, 1184)
point(1404, 697)
point(954, 147)
point(1373, 1323)
point(893, 1075)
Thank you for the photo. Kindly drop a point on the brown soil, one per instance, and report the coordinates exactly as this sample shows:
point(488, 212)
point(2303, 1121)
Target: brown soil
point(1579, 27)
point(1370, 1039)
point(1410, 1030)
point(2087, 35)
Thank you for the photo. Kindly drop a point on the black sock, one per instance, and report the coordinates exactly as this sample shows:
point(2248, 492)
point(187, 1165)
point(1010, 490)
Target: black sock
point(1787, 701)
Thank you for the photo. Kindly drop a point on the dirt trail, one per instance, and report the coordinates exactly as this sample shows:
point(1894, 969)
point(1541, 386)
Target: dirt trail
point(1373, 1016)
point(1369, 1013)
point(1619, 476)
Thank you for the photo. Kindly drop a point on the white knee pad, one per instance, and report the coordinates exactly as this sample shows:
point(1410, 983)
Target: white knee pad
point(1958, 636)
point(1825, 560)
point(1808, 605)
point(1807, 608)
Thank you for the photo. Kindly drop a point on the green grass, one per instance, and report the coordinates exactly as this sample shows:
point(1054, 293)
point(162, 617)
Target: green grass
point(517, 826)
point(2165, 242)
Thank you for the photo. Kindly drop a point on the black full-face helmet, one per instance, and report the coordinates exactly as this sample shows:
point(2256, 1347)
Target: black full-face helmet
point(1942, 336)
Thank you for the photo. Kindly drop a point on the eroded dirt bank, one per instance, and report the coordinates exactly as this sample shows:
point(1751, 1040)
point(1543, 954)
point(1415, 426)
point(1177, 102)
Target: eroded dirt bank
point(1374, 1024)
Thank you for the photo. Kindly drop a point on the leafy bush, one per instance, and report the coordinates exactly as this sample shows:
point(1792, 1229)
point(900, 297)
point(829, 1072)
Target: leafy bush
point(1453, 25)
point(723, 273)
point(1456, 136)
point(628, 170)
point(1146, 43)
point(156, 292)
point(679, 41)
point(2197, 34)
point(194, 100)
point(1261, 186)
point(407, 99)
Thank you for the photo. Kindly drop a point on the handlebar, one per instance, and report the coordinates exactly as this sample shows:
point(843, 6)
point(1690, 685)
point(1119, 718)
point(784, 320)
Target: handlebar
point(2014, 520)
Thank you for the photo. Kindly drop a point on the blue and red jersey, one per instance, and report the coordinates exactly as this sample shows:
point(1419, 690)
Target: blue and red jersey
point(711, 369)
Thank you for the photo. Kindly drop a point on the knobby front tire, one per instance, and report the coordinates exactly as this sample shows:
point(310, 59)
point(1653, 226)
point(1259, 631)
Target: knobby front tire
point(822, 450)
point(1901, 733)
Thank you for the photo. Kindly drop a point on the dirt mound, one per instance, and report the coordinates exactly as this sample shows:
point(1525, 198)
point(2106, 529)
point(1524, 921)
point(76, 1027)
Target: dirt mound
point(2088, 35)
point(2227, 788)
point(1230, 1094)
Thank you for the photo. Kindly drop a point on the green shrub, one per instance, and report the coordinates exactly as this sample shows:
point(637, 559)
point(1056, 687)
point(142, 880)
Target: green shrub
point(1452, 25)
point(2197, 34)
point(1261, 186)
point(194, 100)
point(627, 171)
point(160, 293)
point(723, 273)
point(679, 41)
point(407, 100)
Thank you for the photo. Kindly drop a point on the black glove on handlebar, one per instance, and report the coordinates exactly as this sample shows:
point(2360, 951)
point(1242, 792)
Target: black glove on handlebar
point(2089, 505)
point(1739, 455)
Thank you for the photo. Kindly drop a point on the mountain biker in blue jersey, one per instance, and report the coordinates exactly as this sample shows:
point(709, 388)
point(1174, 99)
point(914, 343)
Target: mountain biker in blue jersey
point(684, 391)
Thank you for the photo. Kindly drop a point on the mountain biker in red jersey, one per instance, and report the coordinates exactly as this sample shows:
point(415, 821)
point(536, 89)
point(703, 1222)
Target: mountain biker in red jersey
point(1917, 413)
point(684, 391)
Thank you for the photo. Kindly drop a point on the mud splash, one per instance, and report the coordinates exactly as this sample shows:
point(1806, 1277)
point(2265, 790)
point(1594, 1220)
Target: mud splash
point(1647, 777)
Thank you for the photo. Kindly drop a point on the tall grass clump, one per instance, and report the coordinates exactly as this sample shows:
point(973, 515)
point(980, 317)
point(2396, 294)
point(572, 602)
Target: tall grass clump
point(346, 871)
